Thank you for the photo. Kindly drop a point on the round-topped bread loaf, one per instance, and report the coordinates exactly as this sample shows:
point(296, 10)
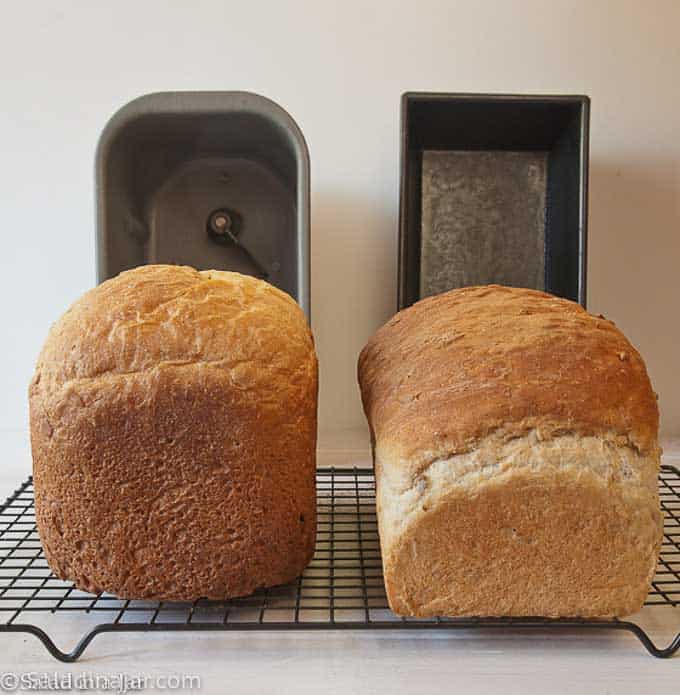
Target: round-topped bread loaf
point(173, 431)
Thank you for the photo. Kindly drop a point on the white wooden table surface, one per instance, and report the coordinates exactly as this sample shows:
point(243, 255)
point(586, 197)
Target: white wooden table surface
point(347, 662)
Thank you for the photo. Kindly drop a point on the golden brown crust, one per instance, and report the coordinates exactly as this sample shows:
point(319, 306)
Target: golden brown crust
point(173, 429)
point(446, 372)
point(516, 457)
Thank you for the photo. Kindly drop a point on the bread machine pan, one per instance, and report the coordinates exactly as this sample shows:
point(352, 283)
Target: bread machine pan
point(208, 179)
point(493, 190)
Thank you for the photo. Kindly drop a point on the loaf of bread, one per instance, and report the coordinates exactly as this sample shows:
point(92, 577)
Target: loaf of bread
point(516, 458)
point(173, 430)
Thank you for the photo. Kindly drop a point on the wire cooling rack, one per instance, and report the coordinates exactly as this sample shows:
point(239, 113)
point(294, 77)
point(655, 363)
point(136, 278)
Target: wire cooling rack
point(341, 589)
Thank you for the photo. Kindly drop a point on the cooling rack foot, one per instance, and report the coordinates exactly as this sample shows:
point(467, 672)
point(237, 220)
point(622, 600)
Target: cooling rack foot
point(659, 652)
point(66, 657)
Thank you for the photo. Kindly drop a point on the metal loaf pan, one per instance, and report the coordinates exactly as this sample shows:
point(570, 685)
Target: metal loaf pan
point(166, 161)
point(493, 189)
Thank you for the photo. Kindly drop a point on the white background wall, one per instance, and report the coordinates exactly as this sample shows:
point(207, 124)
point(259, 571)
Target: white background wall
point(339, 68)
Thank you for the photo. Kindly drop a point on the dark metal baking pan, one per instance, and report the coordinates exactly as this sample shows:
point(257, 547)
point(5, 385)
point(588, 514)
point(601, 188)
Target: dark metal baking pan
point(493, 189)
point(208, 179)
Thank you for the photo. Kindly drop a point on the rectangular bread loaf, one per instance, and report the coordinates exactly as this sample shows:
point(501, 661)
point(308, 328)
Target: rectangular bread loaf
point(516, 458)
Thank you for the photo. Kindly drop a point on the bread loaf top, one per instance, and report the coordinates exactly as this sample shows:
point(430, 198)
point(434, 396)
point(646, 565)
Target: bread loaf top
point(456, 367)
point(159, 316)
